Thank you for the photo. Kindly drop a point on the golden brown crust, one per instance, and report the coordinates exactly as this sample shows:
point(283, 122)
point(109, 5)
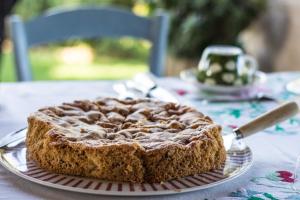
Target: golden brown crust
point(124, 140)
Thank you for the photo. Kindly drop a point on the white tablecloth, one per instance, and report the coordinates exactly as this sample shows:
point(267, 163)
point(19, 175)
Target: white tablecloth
point(275, 150)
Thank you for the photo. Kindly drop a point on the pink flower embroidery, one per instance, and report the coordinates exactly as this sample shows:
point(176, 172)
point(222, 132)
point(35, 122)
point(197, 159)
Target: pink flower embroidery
point(281, 176)
point(285, 176)
point(232, 126)
point(181, 92)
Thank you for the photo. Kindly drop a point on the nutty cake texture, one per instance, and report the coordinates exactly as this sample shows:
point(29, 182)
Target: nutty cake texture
point(124, 140)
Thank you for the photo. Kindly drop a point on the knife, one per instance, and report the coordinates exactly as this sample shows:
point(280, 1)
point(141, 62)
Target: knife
point(266, 120)
point(125, 92)
point(12, 137)
point(146, 84)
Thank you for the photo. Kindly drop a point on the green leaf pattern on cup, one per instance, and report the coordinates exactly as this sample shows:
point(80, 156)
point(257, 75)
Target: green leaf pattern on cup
point(222, 70)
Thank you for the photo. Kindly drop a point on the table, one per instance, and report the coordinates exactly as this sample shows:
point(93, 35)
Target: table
point(275, 149)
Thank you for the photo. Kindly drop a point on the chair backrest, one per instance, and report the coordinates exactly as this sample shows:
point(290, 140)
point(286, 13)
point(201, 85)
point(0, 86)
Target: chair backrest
point(87, 22)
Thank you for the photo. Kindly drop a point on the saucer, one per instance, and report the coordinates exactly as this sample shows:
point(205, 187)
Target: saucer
point(190, 76)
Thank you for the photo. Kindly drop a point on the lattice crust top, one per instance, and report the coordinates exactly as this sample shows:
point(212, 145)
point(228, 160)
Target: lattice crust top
point(105, 121)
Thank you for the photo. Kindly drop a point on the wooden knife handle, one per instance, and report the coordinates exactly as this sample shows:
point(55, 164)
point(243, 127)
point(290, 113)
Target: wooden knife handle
point(268, 119)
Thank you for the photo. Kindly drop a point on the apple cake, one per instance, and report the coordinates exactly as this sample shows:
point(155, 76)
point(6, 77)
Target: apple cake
point(136, 141)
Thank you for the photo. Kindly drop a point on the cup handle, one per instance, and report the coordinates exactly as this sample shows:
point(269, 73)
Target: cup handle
point(252, 68)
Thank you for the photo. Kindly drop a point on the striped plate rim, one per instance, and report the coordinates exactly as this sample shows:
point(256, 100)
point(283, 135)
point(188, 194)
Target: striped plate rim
point(237, 163)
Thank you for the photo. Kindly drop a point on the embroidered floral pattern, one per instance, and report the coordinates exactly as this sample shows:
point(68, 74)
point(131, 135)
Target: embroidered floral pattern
point(252, 195)
point(280, 180)
point(285, 176)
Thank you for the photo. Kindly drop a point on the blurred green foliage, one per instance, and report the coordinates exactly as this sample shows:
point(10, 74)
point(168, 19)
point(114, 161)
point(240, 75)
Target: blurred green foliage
point(46, 65)
point(196, 24)
point(28, 8)
point(124, 48)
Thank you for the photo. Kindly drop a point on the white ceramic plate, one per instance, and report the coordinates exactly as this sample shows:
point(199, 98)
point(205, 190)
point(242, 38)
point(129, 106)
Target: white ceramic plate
point(190, 76)
point(294, 86)
point(13, 158)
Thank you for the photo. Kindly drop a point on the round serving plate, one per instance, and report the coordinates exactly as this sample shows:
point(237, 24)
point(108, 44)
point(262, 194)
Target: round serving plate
point(294, 86)
point(13, 158)
point(190, 76)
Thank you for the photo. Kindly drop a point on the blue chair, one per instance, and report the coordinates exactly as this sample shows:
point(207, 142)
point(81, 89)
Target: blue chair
point(87, 22)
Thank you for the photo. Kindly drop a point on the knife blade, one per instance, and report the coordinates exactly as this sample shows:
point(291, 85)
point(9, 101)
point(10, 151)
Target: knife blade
point(14, 136)
point(124, 92)
point(147, 85)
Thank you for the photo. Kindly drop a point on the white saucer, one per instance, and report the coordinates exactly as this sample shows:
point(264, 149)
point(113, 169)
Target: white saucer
point(294, 86)
point(190, 76)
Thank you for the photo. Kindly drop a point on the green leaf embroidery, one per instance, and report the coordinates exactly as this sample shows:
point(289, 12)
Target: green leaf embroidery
point(255, 198)
point(235, 112)
point(295, 121)
point(270, 196)
point(273, 177)
point(279, 128)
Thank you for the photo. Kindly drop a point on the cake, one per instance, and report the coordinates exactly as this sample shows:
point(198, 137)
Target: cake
point(136, 141)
